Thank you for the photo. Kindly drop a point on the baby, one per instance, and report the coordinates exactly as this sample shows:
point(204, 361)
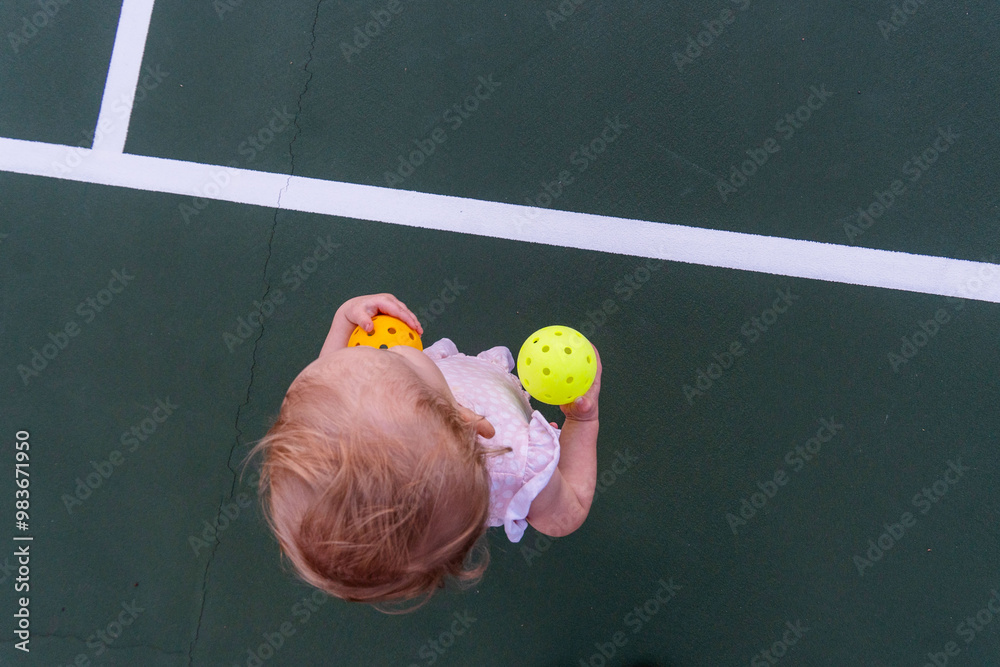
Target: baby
point(385, 466)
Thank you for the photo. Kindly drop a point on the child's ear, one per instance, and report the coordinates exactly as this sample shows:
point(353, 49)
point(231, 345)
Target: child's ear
point(485, 428)
point(483, 425)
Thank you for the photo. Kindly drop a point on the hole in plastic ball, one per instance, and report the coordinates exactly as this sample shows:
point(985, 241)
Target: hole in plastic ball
point(558, 333)
point(527, 361)
point(372, 333)
point(568, 350)
point(392, 330)
point(411, 335)
point(569, 379)
point(545, 371)
point(588, 358)
point(545, 348)
point(383, 346)
point(535, 341)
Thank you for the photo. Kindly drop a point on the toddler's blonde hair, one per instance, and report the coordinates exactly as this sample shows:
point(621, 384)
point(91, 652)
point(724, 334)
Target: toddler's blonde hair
point(375, 487)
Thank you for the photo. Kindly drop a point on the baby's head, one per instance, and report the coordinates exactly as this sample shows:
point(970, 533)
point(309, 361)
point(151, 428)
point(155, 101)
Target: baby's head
point(373, 479)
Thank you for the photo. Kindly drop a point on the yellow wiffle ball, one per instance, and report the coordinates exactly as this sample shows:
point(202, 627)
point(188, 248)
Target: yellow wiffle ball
point(556, 365)
point(388, 331)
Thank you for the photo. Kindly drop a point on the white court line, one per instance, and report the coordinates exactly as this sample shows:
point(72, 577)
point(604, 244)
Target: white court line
point(108, 165)
point(123, 76)
point(732, 250)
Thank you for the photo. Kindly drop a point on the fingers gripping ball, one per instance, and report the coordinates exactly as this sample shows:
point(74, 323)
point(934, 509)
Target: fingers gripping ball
point(389, 331)
point(556, 365)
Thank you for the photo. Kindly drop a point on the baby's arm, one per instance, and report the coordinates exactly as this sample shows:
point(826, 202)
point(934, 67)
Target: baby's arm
point(563, 505)
point(359, 312)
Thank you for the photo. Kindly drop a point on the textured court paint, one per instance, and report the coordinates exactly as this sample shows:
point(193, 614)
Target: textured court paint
point(749, 252)
point(123, 76)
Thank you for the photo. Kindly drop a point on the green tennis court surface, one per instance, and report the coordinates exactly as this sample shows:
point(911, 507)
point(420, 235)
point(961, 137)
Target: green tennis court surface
point(791, 471)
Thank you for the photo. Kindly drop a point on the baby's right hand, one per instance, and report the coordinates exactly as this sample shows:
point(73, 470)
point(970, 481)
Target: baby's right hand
point(584, 408)
point(360, 310)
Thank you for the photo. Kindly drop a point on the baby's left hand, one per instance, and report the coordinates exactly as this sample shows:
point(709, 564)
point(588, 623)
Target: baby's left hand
point(361, 309)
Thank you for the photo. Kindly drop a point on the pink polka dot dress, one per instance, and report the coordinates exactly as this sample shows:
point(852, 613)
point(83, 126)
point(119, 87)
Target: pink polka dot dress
point(484, 383)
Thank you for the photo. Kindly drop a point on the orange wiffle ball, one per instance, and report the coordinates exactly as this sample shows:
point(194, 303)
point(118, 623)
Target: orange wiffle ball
point(388, 332)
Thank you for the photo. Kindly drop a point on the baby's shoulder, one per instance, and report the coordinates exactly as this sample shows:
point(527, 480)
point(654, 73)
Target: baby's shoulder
point(498, 356)
point(442, 349)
